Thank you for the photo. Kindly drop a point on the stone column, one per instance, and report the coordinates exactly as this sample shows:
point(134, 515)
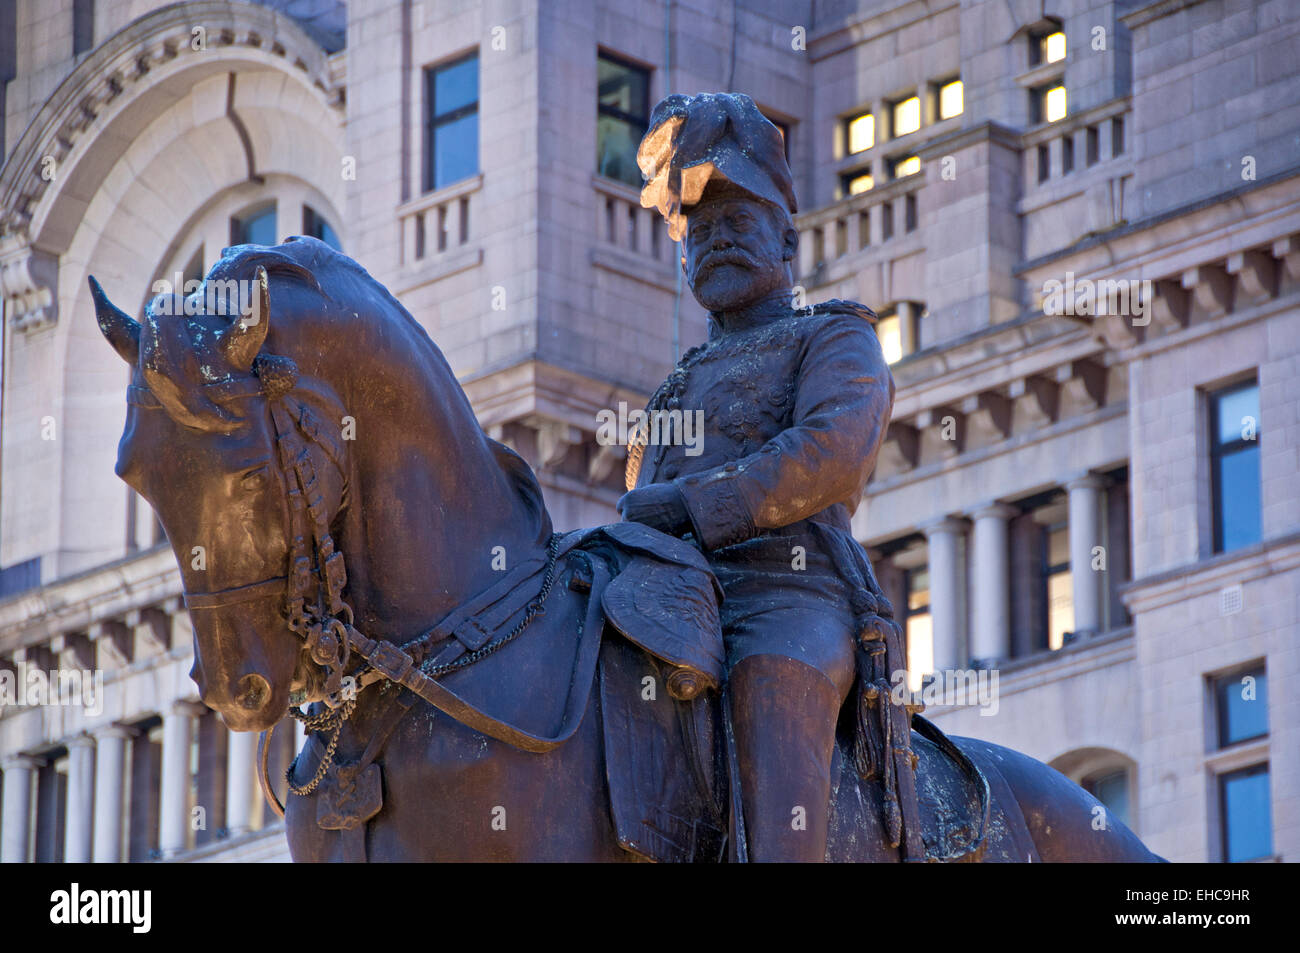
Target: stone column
point(79, 815)
point(241, 765)
point(991, 598)
point(110, 766)
point(1085, 533)
point(15, 815)
point(173, 801)
point(946, 578)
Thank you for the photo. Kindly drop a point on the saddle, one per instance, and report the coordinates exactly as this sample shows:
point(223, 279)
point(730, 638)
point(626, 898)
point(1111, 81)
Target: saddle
point(659, 679)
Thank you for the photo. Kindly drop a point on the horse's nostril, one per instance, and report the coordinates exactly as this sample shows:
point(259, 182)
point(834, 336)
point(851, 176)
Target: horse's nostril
point(252, 692)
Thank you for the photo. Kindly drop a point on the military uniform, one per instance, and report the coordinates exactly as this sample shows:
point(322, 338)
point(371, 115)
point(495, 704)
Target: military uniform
point(794, 408)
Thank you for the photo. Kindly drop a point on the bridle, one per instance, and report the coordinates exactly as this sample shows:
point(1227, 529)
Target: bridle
point(312, 589)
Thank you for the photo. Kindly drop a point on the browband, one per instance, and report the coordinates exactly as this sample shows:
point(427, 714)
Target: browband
point(213, 600)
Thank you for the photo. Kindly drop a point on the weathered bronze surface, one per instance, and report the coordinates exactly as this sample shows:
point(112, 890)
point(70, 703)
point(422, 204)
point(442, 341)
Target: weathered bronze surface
point(709, 680)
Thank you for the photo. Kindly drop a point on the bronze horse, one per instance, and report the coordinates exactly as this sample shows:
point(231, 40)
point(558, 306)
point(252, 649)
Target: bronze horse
point(322, 420)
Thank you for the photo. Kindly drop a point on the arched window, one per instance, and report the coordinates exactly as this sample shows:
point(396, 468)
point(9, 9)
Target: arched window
point(255, 227)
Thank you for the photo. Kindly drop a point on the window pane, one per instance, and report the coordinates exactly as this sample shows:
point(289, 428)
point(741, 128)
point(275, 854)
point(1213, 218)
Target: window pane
point(455, 150)
point(616, 145)
point(1054, 104)
point(255, 229)
point(1243, 707)
point(1238, 503)
point(907, 116)
point(1058, 547)
point(1247, 820)
point(623, 87)
point(1111, 790)
point(890, 335)
point(861, 183)
point(905, 167)
point(918, 589)
point(950, 100)
point(1054, 47)
point(1060, 608)
point(455, 86)
point(920, 649)
point(1236, 414)
point(862, 133)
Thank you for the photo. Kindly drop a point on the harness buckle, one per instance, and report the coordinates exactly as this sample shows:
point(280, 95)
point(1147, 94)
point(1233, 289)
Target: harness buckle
point(391, 662)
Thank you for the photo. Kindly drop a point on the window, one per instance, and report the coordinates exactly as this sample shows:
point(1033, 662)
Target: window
point(1245, 814)
point(1094, 146)
point(314, 224)
point(949, 99)
point(1241, 707)
point(901, 168)
point(1044, 163)
point(622, 116)
point(1059, 584)
point(1046, 46)
point(1067, 155)
point(83, 26)
point(917, 625)
point(1111, 789)
point(861, 133)
point(254, 228)
point(906, 116)
point(20, 576)
point(784, 129)
point(889, 330)
point(1117, 136)
point(1234, 465)
point(450, 122)
point(1047, 103)
point(856, 182)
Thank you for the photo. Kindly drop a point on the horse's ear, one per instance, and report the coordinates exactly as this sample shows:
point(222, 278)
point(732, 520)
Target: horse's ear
point(244, 338)
point(119, 328)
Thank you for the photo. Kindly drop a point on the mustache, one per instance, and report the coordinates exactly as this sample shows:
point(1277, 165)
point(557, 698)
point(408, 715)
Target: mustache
point(729, 256)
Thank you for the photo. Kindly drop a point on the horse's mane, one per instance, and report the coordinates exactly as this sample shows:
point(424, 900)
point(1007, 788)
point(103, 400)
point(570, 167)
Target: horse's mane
point(340, 280)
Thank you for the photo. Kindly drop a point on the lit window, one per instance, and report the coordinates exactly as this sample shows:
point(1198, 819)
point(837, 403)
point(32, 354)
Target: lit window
point(917, 625)
point(1054, 104)
point(1234, 466)
point(950, 99)
point(862, 133)
point(905, 167)
point(450, 122)
point(907, 116)
point(622, 116)
point(890, 332)
point(1059, 585)
point(1054, 47)
point(853, 184)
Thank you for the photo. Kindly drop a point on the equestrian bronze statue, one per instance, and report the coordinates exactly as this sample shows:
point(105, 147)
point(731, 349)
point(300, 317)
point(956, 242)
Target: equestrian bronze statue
point(711, 679)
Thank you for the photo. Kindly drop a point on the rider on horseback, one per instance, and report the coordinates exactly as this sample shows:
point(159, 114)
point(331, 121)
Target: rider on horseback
point(795, 402)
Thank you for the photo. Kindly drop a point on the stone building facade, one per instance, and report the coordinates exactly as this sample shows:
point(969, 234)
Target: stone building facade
point(1091, 510)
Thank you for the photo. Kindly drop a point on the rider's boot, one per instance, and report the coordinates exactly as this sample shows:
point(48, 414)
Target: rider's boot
point(784, 714)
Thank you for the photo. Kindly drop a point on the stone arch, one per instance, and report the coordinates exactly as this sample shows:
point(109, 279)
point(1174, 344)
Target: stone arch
point(147, 134)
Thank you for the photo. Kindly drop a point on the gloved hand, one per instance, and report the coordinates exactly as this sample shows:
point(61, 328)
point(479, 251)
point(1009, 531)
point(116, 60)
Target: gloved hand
point(659, 506)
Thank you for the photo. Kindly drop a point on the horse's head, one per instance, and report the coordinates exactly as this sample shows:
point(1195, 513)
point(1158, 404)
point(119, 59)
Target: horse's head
point(205, 408)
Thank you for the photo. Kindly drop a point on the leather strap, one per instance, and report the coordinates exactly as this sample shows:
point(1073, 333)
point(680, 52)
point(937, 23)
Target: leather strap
point(397, 666)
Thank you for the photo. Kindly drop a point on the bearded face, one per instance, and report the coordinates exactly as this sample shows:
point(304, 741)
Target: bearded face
point(737, 249)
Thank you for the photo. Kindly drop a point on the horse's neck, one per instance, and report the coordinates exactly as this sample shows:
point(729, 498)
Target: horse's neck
point(432, 513)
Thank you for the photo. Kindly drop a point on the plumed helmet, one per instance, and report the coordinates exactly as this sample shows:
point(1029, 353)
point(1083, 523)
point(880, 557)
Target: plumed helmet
point(708, 137)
